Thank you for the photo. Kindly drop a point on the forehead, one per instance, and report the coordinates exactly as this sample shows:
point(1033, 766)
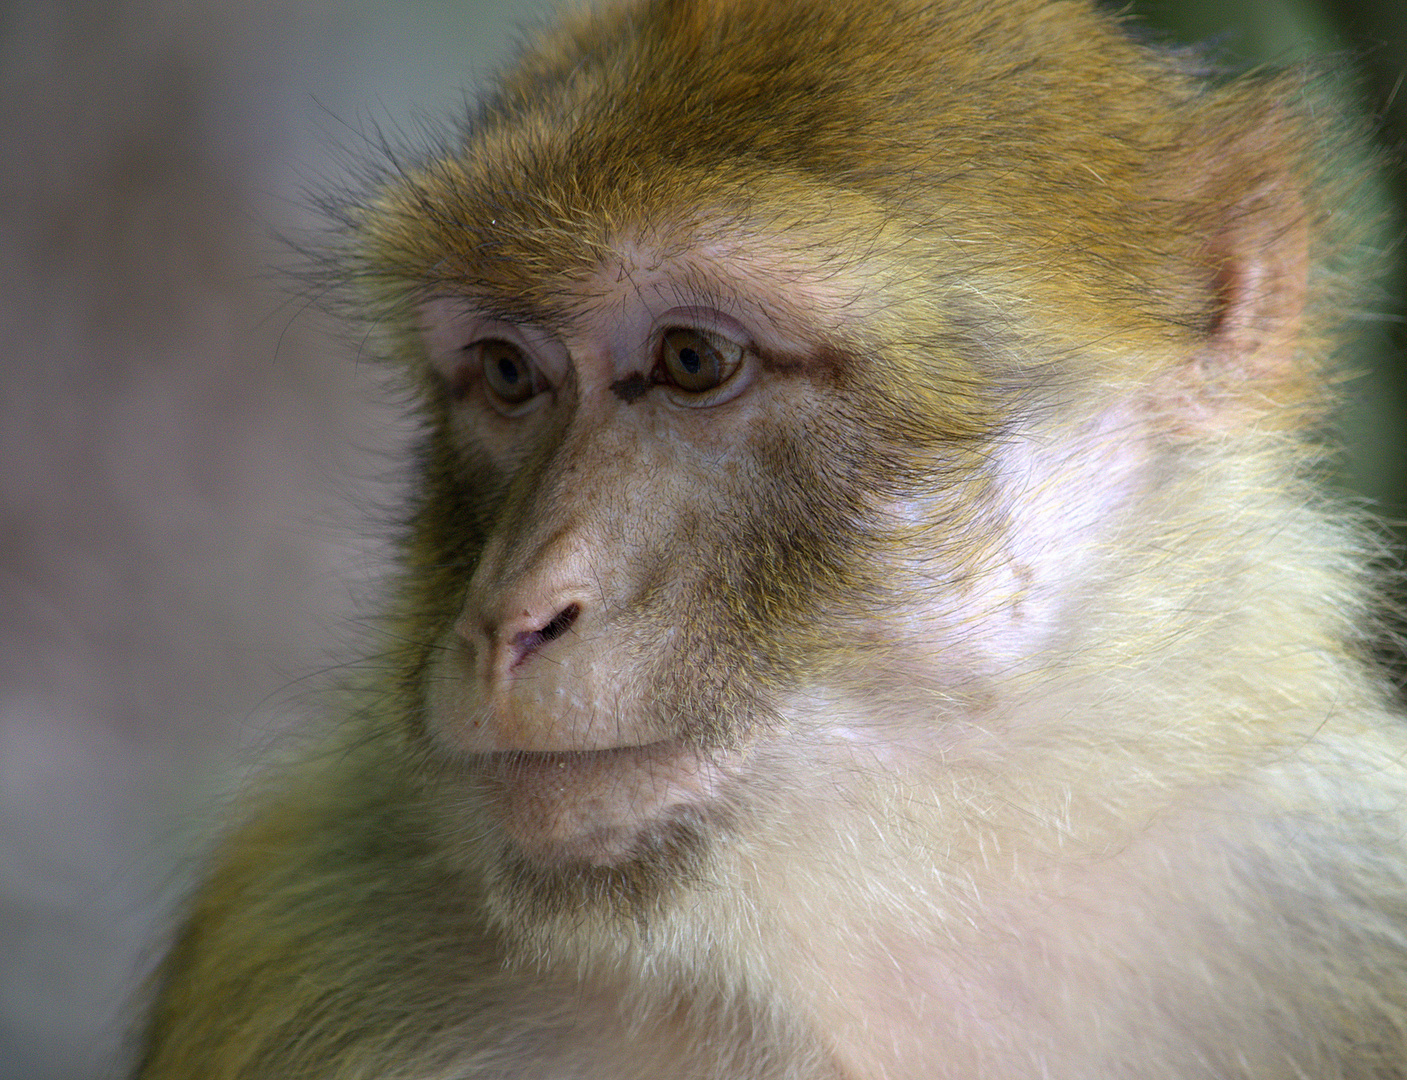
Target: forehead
point(767, 282)
point(786, 251)
point(889, 144)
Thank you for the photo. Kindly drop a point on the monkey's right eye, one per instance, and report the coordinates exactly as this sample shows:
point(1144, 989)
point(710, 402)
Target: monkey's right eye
point(512, 379)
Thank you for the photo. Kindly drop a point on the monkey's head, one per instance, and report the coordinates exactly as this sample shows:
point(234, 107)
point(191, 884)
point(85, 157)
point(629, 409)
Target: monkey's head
point(791, 372)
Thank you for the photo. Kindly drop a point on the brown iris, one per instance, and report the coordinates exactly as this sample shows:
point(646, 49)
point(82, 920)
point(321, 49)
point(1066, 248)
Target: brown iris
point(695, 360)
point(510, 376)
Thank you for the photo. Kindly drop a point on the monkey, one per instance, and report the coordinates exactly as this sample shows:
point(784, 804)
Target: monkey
point(869, 607)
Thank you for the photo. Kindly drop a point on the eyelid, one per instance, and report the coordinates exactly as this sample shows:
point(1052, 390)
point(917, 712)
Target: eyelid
point(448, 324)
point(708, 320)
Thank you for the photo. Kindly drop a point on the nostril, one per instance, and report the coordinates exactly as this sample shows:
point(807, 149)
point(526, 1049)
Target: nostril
point(529, 641)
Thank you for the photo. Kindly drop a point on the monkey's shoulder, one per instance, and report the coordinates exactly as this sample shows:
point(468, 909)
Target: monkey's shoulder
point(331, 939)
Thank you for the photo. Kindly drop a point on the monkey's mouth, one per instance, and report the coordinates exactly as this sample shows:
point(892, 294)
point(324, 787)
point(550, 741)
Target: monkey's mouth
point(595, 806)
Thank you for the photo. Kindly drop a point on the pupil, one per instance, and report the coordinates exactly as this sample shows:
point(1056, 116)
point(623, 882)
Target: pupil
point(508, 370)
point(690, 359)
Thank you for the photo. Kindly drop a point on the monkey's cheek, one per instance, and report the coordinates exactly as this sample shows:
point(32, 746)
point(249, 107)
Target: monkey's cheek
point(596, 807)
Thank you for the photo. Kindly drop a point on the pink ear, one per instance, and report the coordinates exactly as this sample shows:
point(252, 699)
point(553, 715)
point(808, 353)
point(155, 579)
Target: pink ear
point(1256, 365)
point(1260, 260)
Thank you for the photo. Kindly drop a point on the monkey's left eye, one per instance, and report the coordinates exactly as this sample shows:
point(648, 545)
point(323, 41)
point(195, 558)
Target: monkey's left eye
point(512, 379)
point(697, 361)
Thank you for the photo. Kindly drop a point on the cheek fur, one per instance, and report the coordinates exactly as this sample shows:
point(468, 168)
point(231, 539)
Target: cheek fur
point(791, 560)
point(447, 532)
point(1035, 534)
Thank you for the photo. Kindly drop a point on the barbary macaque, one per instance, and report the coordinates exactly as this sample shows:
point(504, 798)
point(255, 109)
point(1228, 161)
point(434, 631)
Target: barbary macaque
point(867, 610)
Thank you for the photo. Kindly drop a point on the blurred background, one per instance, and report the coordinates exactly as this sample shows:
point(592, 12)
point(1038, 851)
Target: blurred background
point(196, 470)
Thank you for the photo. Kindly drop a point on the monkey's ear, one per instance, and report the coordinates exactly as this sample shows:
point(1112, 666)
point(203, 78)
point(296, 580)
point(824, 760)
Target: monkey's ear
point(1253, 359)
point(1259, 257)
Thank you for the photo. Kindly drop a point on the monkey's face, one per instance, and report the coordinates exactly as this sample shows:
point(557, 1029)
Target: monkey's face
point(790, 412)
point(728, 410)
point(649, 527)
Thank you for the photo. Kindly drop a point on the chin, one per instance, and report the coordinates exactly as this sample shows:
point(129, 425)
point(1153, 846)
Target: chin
point(666, 860)
point(618, 832)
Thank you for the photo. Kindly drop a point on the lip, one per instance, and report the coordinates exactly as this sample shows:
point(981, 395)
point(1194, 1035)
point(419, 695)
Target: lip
point(594, 806)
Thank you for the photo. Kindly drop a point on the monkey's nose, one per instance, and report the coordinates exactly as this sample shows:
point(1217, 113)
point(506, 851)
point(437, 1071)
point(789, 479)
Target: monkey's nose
point(522, 644)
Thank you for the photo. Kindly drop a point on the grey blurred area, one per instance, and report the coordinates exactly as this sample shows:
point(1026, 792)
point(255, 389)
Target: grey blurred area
point(197, 469)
